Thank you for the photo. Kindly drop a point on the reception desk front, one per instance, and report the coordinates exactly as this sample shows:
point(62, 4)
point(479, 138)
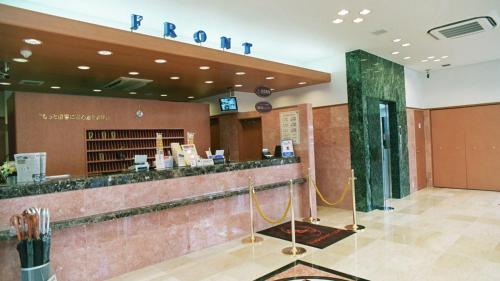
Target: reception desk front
point(105, 226)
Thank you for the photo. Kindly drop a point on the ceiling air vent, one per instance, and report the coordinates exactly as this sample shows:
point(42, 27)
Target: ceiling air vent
point(31, 82)
point(379, 32)
point(462, 28)
point(127, 84)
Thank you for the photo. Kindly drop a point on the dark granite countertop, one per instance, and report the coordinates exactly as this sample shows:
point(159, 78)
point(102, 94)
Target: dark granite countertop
point(71, 184)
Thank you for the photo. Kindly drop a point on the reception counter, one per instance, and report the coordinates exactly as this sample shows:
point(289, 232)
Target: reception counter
point(122, 222)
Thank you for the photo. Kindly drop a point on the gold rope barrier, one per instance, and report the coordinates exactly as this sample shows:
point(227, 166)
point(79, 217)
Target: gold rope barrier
point(342, 196)
point(252, 239)
point(265, 217)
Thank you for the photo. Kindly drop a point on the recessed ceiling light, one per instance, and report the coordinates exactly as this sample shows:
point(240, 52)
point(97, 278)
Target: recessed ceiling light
point(133, 73)
point(337, 21)
point(163, 95)
point(132, 93)
point(365, 12)
point(97, 90)
point(238, 86)
point(358, 20)
point(83, 67)
point(204, 67)
point(175, 77)
point(209, 82)
point(240, 73)
point(396, 40)
point(160, 60)
point(407, 58)
point(32, 41)
point(272, 89)
point(437, 60)
point(55, 87)
point(406, 44)
point(302, 83)
point(431, 57)
point(20, 60)
point(424, 60)
point(444, 57)
point(190, 97)
point(104, 53)
point(395, 52)
point(5, 83)
point(269, 78)
point(343, 12)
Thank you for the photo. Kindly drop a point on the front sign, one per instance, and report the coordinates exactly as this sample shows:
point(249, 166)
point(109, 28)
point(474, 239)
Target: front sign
point(199, 36)
point(263, 107)
point(263, 92)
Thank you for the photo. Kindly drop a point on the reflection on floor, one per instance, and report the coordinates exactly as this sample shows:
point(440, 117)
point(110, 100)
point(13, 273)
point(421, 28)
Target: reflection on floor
point(434, 234)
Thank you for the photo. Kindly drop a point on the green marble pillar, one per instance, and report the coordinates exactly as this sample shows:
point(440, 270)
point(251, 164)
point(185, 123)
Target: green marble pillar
point(370, 81)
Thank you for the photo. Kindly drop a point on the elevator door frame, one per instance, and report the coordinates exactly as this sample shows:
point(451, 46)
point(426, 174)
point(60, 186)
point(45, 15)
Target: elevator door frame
point(385, 144)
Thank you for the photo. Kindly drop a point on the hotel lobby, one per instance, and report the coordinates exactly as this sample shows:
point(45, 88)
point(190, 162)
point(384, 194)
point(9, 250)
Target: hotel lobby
point(266, 140)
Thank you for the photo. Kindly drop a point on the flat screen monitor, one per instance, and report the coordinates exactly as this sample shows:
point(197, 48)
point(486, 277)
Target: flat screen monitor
point(228, 104)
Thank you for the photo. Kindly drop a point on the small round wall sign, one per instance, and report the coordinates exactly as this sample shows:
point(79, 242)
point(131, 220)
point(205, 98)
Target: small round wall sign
point(262, 91)
point(139, 113)
point(263, 106)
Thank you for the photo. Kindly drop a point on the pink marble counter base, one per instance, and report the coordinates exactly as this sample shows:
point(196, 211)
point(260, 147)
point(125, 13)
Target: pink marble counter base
point(104, 250)
point(75, 204)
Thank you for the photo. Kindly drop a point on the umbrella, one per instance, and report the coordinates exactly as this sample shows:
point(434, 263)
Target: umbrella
point(37, 243)
point(17, 221)
point(29, 241)
point(33, 233)
point(45, 234)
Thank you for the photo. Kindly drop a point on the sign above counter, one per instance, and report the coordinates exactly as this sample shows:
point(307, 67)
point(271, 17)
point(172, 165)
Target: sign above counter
point(200, 36)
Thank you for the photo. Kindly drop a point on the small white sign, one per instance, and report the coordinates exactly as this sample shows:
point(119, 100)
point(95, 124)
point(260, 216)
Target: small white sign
point(287, 149)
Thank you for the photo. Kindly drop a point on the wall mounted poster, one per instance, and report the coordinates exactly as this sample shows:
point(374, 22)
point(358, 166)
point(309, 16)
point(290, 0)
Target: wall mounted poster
point(289, 126)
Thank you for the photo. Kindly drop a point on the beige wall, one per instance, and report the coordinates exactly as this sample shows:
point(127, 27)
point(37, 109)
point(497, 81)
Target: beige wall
point(64, 140)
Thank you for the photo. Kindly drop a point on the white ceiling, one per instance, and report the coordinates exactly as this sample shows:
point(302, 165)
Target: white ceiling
point(300, 31)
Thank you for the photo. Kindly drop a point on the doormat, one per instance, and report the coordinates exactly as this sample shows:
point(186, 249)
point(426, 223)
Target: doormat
point(317, 236)
point(301, 270)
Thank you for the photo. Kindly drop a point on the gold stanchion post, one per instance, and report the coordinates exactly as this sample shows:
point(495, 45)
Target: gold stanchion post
point(310, 219)
point(252, 239)
point(354, 226)
point(294, 250)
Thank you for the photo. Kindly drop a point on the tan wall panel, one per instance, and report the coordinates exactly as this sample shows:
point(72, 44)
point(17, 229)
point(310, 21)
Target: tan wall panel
point(420, 149)
point(64, 140)
point(448, 148)
point(483, 147)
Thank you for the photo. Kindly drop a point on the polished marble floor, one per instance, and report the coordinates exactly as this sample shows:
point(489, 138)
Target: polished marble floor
point(434, 234)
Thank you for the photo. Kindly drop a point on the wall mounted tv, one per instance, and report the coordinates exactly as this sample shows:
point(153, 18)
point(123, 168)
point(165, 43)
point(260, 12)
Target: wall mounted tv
point(228, 104)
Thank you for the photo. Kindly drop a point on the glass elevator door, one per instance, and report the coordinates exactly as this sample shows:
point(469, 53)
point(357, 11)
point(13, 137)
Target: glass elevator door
point(385, 144)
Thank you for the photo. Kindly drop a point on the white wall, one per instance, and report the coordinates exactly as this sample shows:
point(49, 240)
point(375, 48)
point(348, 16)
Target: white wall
point(472, 84)
point(414, 82)
point(334, 92)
